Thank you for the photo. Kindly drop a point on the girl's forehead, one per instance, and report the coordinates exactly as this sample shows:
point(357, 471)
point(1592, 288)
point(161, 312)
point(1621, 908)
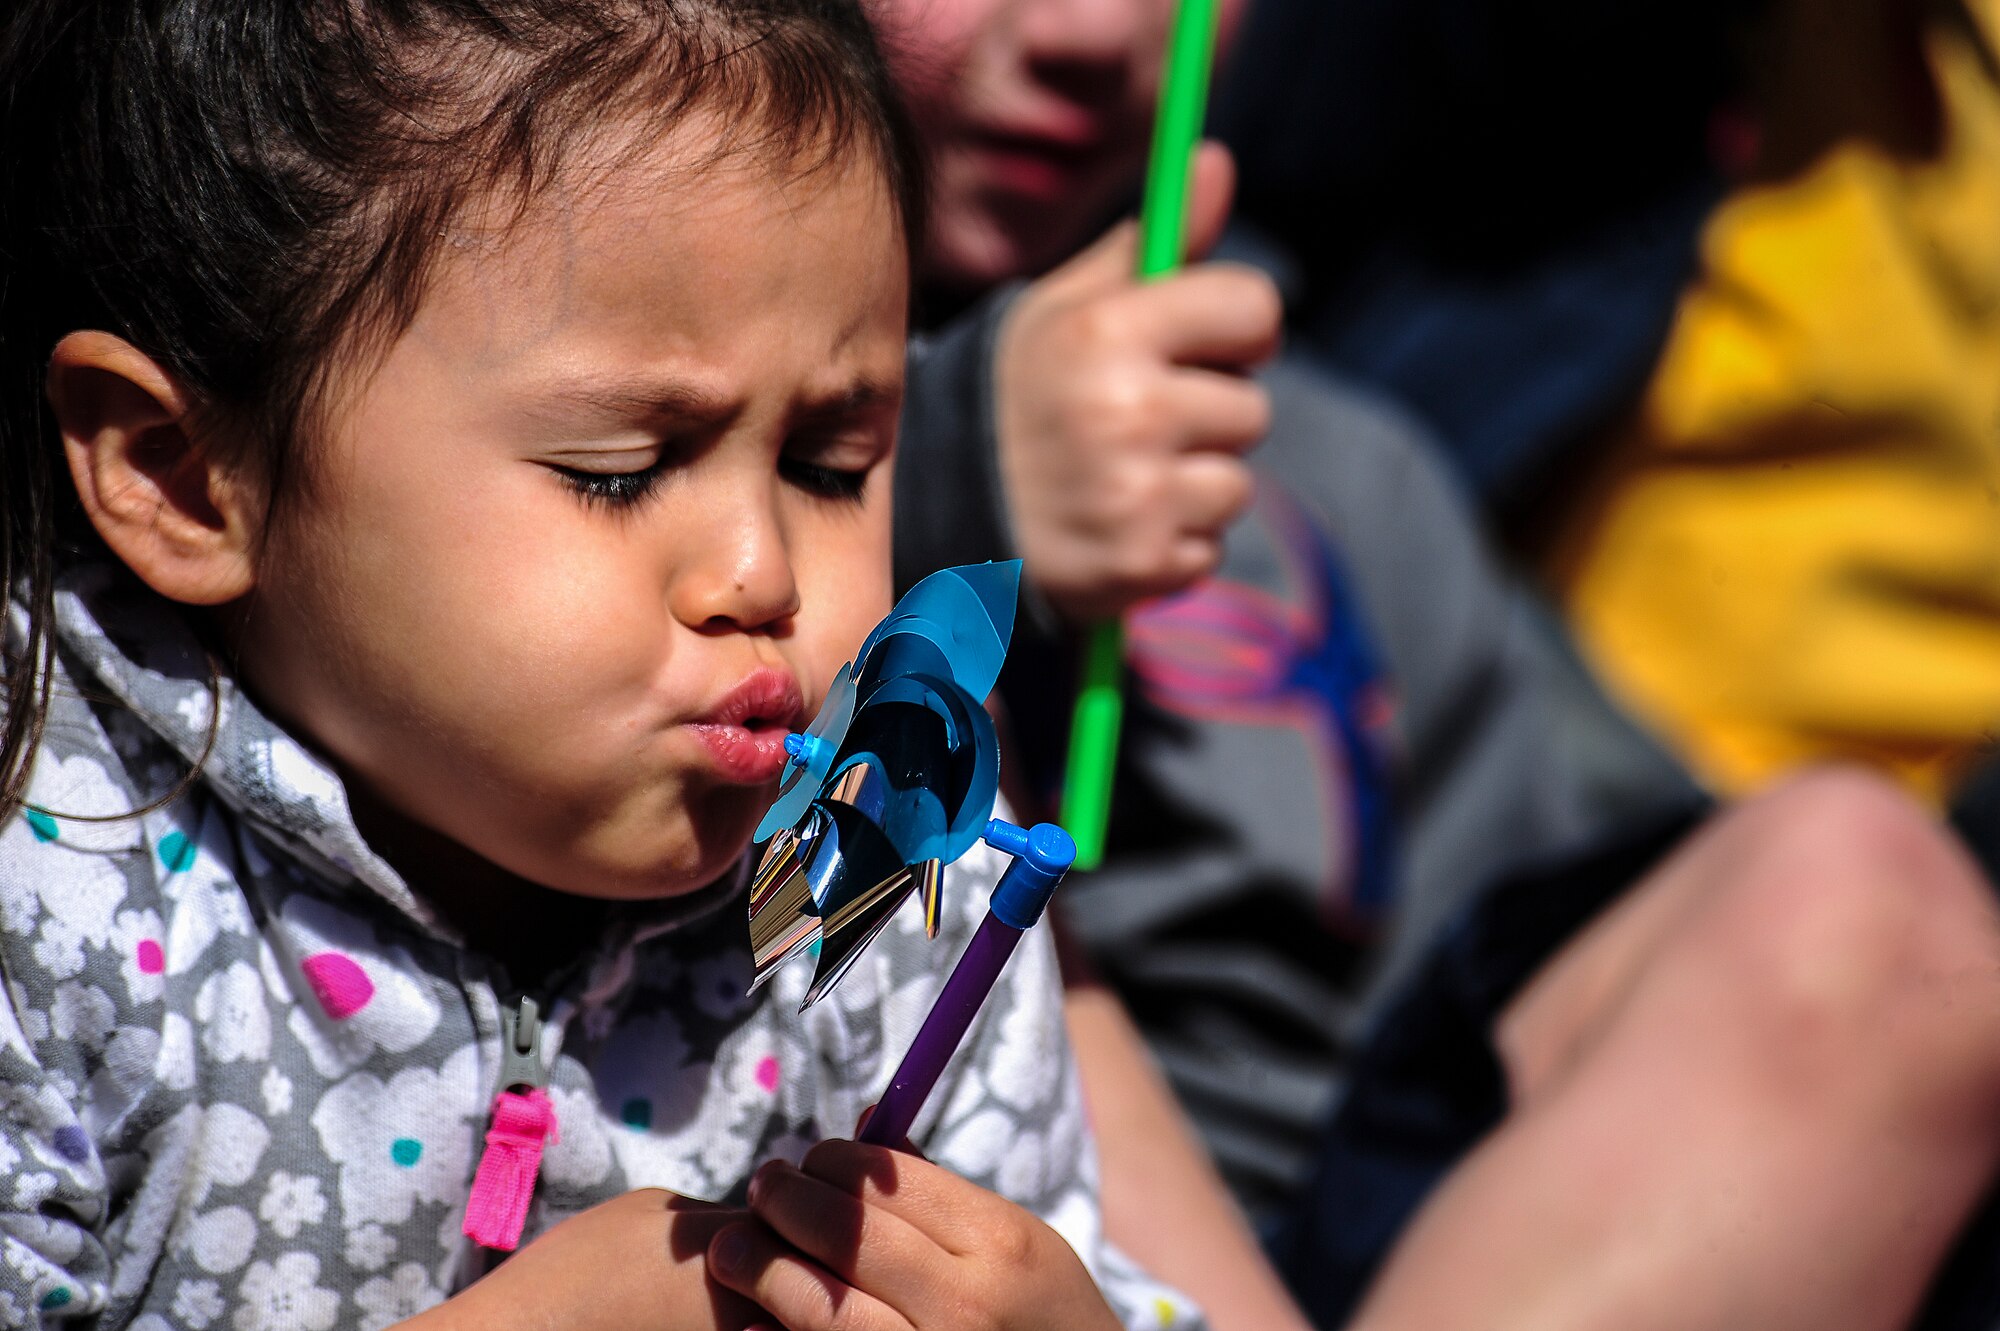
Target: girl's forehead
point(630, 167)
point(735, 264)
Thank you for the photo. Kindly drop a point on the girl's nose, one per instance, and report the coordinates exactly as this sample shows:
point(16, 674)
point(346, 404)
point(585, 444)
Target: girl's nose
point(741, 579)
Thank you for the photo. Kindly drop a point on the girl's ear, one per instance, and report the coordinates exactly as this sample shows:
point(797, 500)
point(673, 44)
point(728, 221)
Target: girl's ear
point(187, 526)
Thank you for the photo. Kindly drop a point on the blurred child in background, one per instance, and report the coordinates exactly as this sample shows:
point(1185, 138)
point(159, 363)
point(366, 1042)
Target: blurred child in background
point(1790, 549)
point(1669, 1146)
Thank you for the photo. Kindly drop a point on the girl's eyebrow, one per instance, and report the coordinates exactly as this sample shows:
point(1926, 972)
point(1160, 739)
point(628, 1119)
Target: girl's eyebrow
point(632, 399)
point(866, 394)
point(649, 399)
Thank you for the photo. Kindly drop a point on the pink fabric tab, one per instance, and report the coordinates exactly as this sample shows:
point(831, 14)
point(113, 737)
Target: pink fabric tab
point(523, 1122)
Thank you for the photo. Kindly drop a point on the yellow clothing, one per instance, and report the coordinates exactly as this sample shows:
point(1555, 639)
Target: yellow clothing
point(1793, 551)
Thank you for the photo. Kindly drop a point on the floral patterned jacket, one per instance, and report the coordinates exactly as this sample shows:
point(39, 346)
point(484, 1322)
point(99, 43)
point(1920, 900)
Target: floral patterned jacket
point(245, 1073)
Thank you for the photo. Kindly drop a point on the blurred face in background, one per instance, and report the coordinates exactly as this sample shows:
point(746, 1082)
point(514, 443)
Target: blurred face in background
point(1037, 114)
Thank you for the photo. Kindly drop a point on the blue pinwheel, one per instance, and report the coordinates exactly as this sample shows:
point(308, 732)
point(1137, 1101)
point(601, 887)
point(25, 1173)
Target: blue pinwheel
point(894, 779)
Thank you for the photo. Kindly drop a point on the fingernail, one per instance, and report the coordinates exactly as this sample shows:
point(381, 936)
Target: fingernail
point(760, 1181)
point(732, 1250)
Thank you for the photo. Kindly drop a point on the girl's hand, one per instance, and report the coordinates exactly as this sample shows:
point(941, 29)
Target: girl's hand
point(635, 1263)
point(868, 1239)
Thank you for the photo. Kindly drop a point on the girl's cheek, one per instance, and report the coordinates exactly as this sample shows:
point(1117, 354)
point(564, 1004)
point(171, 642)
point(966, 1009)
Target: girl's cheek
point(860, 605)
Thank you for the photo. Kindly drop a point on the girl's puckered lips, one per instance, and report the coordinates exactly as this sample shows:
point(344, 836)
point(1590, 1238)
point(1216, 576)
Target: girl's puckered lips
point(744, 731)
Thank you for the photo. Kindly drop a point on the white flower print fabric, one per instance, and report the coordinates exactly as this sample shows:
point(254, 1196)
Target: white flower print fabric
point(245, 1073)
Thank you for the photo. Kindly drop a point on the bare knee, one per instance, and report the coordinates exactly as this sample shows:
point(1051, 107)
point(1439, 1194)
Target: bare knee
point(1857, 939)
point(1840, 879)
point(1847, 935)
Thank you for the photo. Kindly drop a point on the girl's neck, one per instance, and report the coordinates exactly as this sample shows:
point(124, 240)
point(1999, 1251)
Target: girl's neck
point(536, 934)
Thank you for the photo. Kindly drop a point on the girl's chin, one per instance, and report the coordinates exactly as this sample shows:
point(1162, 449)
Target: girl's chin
point(639, 885)
point(658, 849)
point(682, 870)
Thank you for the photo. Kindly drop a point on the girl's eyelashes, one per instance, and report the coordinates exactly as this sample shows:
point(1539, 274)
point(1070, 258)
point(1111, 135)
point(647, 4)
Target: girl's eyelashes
point(623, 489)
point(832, 459)
point(614, 489)
point(826, 482)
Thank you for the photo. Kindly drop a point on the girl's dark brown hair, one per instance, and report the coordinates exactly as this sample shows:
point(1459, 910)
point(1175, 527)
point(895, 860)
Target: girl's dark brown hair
point(251, 191)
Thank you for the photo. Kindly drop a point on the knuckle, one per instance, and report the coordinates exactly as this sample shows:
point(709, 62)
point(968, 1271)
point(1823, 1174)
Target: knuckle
point(967, 1308)
point(1015, 1243)
point(1145, 490)
point(823, 1160)
point(1100, 323)
point(1123, 410)
point(815, 1308)
point(1129, 494)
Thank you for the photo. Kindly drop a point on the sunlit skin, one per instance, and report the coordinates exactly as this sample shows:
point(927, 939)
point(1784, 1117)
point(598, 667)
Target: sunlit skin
point(588, 690)
point(1037, 115)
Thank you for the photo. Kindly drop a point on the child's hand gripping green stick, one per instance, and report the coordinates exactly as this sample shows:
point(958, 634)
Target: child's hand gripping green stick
point(1100, 700)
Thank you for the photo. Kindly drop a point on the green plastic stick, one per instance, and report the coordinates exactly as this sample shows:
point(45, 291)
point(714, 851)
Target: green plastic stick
point(1100, 701)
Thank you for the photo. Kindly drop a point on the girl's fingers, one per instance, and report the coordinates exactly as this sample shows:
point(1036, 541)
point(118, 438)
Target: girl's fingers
point(753, 1262)
point(906, 1146)
point(936, 1203)
point(864, 1246)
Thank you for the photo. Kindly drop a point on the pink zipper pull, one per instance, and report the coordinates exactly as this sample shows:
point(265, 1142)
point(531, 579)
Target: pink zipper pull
point(524, 1121)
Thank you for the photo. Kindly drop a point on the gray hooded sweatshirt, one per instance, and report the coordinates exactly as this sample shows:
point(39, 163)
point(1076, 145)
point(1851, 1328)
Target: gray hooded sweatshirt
point(245, 1073)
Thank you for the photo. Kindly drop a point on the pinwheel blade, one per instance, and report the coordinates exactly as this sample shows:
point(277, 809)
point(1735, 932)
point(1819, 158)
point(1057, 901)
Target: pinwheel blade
point(849, 931)
point(782, 920)
point(930, 887)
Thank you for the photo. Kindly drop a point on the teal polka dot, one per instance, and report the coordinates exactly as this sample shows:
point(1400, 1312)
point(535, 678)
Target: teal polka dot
point(637, 1113)
point(176, 852)
point(406, 1151)
point(43, 826)
point(56, 1298)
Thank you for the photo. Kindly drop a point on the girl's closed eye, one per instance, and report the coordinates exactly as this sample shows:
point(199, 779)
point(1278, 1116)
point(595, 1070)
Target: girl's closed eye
point(614, 480)
point(617, 483)
point(834, 460)
point(825, 481)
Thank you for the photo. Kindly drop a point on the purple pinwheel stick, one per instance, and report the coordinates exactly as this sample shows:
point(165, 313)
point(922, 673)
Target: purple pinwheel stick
point(1042, 855)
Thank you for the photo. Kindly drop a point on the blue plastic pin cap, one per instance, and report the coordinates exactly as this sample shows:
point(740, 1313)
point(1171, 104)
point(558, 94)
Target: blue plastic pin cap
point(1042, 855)
point(803, 748)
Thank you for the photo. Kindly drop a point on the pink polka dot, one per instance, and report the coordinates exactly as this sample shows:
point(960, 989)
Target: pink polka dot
point(343, 987)
point(151, 960)
point(767, 1073)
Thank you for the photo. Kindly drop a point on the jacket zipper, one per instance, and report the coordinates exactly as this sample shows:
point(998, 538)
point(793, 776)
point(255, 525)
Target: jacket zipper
point(522, 1123)
point(521, 1046)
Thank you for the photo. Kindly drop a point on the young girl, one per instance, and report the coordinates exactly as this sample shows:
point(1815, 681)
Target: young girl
point(446, 451)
